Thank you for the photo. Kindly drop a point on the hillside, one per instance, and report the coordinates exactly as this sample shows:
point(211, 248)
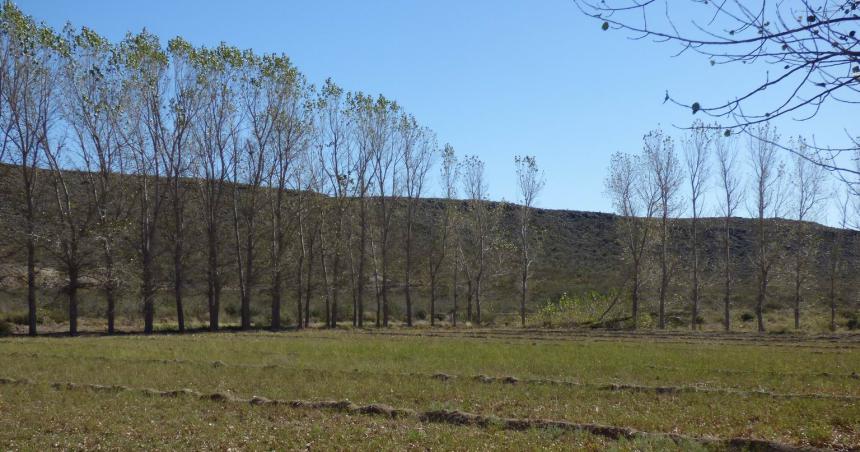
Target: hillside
point(578, 252)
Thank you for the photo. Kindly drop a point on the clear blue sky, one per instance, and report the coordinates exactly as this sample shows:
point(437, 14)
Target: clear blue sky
point(493, 78)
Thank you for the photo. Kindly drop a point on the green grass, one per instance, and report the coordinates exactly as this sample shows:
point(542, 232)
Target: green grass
point(396, 369)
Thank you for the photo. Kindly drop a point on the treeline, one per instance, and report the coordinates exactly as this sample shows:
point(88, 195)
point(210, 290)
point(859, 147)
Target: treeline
point(152, 166)
point(651, 189)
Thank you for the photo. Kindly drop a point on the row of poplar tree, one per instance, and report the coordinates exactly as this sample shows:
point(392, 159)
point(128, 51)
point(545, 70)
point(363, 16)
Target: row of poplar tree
point(741, 176)
point(232, 166)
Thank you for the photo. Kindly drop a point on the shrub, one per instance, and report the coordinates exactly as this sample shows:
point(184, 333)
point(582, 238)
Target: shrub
point(747, 317)
point(261, 319)
point(646, 321)
point(232, 310)
point(488, 318)
point(395, 310)
point(286, 318)
point(853, 322)
point(574, 310)
point(421, 314)
point(674, 321)
point(5, 328)
point(369, 316)
point(18, 318)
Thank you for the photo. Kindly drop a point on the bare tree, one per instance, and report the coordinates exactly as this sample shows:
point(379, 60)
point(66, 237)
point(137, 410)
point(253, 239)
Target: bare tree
point(308, 217)
point(530, 181)
point(836, 262)
point(665, 173)
point(697, 146)
point(363, 168)
point(725, 150)
point(379, 122)
point(285, 92)
point(146, 64)
point(812, 47)
point(635, 201)
point(300, 252)
point(418, 149)
point(251, 168)
point(29, 57)
point(475, 188)
point(215, 136)
point(441, 231)
point(335, 163)
point(807, 180)
point(94, 102)
point(322, 213)
point(768, 198)
point(457, 263)
point(71, 237)
point(172, 129)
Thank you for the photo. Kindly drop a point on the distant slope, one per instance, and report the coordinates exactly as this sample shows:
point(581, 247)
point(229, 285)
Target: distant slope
point(579, 251)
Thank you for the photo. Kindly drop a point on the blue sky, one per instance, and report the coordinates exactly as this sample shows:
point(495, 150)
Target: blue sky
point(493, 78)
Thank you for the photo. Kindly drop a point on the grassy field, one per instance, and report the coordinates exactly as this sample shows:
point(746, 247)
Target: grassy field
point(440, 389)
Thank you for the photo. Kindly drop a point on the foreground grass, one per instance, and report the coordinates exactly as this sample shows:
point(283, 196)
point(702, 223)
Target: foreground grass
point(80, 420)
point(396, 370)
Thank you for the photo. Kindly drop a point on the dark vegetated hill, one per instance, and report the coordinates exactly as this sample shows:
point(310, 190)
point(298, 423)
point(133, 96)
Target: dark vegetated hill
point(577, 252)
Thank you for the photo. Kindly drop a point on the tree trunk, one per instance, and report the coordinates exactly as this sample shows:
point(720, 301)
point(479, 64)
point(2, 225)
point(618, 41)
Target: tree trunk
point(469, 294)
point(177, 284)
point(277, 272)
point(362, 258)
point(759, 308)
point(276, 299)
point(335, 290)
point(408, 272)
point(524, 255)
point(727, 319)
point(433, 299)
point(309, 286)
point(384, 290)
point(763, 274)
point(213, 279)
point(454, 296)
point(479, 279)
point(664, 272)
point(111, 308)
point(178, 251)
point(73, 300)
point(523, 295)
point(635, 295)
point(109, 286)
point(478, 301)
point(832, 295)
point(694, 322)
point(300, 266)
point(378, 291)
point(249, 278)
point(31, 278)
point(148, 292)
point(352, 277)
point(797, 297)
point(327, 282)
